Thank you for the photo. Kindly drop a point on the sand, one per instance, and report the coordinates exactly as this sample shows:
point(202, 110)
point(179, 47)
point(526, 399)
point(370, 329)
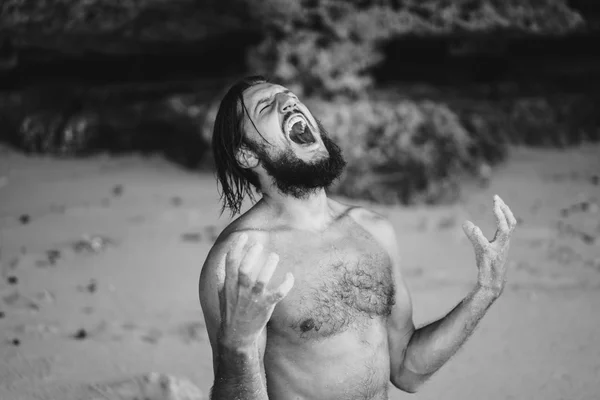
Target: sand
point(100, 261)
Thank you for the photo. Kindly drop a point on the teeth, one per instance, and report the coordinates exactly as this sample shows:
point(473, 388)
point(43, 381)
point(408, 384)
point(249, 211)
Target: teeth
point(292, 121)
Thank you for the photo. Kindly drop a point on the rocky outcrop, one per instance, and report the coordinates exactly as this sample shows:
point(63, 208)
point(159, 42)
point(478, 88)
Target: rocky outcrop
point(116, 26)
point(79, 76)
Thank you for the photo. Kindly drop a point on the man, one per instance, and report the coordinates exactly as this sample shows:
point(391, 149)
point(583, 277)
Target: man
point(302, 295)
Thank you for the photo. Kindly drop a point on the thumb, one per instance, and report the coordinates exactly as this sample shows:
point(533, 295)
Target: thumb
point(474, 234)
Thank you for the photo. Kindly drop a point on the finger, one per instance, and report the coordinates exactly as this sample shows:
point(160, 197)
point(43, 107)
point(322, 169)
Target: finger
point(501, 221)
point(278, 294)
point(234, 257)
point(512, 221)
point(266, 273)
point(245, 275)
point(474, 234)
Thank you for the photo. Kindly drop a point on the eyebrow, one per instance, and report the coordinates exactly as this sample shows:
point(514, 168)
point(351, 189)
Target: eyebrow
point(267, 99)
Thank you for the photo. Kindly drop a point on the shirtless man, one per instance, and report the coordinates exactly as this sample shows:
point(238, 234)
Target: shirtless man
point(303, 296)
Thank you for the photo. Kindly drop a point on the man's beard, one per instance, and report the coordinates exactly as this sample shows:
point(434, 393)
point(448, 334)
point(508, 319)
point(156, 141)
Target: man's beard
point(299, 178)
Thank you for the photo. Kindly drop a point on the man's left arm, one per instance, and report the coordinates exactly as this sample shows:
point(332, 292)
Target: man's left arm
point(415, 355)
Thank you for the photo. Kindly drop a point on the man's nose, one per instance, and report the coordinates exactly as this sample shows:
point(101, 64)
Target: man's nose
point(286, 102)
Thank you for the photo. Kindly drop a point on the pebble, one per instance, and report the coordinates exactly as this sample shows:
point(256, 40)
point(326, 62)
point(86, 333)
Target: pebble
point(92, 244)
point(53, 255)
point(24, 219)
point(117, 190)
point(13, 280)
point(16, 342)
point(80, 334)
point(91, 287)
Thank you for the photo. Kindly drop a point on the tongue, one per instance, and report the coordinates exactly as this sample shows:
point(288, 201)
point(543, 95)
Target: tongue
point(301, 136)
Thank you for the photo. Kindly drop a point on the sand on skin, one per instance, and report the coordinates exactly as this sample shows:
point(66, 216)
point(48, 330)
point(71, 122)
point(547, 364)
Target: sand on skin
point(133, 307)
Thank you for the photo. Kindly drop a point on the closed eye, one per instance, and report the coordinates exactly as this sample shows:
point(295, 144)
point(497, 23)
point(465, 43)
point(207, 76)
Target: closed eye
point(265, 107)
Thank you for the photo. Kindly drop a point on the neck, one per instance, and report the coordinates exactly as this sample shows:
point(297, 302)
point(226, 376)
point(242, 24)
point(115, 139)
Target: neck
point(309, 213)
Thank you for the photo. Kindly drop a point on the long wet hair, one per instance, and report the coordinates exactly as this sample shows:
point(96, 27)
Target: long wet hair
point(228, 136)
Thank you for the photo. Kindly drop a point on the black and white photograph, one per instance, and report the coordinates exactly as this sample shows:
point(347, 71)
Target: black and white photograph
point(299, 199)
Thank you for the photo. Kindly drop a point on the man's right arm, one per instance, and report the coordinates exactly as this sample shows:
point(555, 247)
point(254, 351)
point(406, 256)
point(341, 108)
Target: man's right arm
point(239, 372)
point(237, 306)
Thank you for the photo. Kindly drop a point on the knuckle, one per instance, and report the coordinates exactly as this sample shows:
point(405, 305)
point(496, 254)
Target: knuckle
point(275, 296)
point(258, 287)
point(244, 279)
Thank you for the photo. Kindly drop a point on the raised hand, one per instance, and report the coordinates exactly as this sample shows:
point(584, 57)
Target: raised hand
point(491, 255)
point(246, 304)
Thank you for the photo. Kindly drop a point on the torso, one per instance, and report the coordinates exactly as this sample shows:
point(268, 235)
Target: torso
point(328, 339)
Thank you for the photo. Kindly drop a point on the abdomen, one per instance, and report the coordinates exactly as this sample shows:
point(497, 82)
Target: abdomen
point(351, 365)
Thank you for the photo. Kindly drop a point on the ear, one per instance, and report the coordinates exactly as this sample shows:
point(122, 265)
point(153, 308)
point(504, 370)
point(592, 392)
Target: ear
point(246, 157)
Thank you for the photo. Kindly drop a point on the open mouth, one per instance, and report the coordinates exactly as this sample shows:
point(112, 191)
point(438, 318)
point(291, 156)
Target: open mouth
point(298, 130)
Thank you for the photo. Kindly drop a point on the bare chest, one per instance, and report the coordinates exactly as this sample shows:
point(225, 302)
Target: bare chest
point(342, 282)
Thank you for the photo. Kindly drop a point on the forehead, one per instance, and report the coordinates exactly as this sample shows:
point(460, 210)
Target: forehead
point(259, 91)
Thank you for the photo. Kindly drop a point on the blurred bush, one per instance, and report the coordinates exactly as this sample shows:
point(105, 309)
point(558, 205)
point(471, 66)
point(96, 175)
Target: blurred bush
point(403, 152)
point(556, 121)
point(327, 47)
point(407, 151)
point(400, 150)
point(175, 126)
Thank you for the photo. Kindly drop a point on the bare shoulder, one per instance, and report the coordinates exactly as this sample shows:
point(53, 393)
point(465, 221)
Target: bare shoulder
point(212, 269)
point(212, 275)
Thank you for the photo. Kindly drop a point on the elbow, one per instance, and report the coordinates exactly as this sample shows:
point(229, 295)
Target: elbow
point(408, 381)
point(407, 386)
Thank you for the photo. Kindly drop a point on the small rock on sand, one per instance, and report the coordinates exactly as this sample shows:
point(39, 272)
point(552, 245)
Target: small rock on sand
point(117, 190)
point(92, 244)
point(80, 334)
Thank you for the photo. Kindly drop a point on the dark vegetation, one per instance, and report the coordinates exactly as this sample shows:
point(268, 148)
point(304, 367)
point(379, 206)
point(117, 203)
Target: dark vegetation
point(420, 94)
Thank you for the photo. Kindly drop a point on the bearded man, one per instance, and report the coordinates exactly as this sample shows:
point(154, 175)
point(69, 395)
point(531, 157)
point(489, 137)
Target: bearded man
point(303, 296)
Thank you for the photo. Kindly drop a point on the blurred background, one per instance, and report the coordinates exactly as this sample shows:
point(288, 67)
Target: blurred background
point(109, 205)
point(419, 93)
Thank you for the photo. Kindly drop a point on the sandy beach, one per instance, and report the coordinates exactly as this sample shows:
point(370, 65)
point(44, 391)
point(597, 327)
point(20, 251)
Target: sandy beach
point(100, 259)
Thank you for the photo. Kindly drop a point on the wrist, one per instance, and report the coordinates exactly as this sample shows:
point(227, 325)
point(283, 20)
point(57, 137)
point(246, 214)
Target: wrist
point(489, 292)
point(235, 344)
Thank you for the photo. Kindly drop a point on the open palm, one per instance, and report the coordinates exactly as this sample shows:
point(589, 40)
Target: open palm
point(491, 255)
